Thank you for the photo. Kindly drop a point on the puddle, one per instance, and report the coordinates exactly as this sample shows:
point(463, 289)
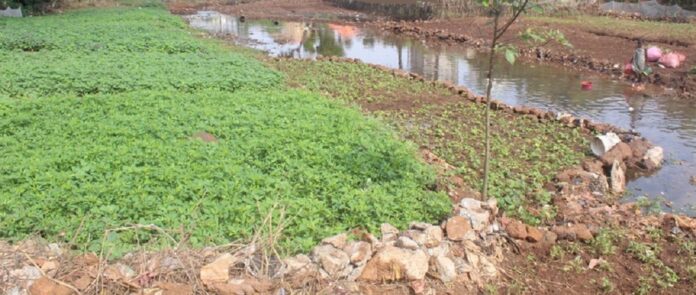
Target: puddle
point(663, 120)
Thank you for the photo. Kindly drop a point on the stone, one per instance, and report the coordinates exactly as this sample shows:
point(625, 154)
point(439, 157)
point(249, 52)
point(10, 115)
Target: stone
point(389, 232)
point(457, 227)
point(45, 286)
point(442, 250)
point(406, 243)
point(418, 286)
point(488, 269)
point(50, 265)
point(394, 264)
point(338, 241)
point(620, 152)
point(297, 263)
point(564, 233)
point(653, 158)
point(533, 234)
point(26, 273)
point(549, 239)
point(618, 178)
point(582, 232)
point(218, 270)
point(171, 263)
point(491, 205)
point(419, 225)
point(693, 180)
point(574, 232)
point(333, 261)
point(685, 223)
point(593, 165)
point(445, 268)
point(639, 147)
point(433, 236)
point(418, 236)
point(473, 210)
point(358, 251)
point(461, 265)
point(517, 230)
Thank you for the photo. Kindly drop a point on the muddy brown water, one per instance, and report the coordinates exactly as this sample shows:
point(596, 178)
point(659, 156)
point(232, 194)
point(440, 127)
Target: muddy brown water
point(666, 121)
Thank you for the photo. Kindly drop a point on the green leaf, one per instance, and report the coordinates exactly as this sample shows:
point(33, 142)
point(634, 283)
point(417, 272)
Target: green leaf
point(510, 55)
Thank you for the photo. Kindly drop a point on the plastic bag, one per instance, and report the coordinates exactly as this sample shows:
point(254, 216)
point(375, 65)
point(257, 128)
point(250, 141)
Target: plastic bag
point(654, 54)
point(672, 60)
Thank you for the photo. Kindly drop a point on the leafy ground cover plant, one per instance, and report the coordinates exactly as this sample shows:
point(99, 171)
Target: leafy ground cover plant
point(117, 50)
point(526, 153)
point(100, 125)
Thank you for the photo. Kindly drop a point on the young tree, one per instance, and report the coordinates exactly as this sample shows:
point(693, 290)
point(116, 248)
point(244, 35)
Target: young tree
point(496, 8)
point(501, 24)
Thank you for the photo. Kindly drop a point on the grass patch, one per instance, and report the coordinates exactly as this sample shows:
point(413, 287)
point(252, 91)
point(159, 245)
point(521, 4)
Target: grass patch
point(96, 127)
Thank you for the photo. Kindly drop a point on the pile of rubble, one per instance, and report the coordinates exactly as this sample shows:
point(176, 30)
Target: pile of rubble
point(464, 249)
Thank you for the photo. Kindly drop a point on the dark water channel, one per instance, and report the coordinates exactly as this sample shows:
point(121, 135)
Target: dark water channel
point(666, 121)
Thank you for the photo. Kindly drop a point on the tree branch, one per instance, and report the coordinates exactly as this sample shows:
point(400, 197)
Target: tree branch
point(514, 17)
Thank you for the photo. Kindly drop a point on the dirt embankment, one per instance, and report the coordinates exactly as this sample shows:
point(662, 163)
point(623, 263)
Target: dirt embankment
point(593, 50)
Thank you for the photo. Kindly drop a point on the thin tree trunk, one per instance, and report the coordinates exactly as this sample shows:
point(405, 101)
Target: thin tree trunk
point(487, 153)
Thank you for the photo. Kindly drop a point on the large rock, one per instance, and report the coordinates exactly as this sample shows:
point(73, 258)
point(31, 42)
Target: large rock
point(574, 232)
point(334, 261)
point(618, 178)
point(338, 241)
point(406, 243)
point(300, 264)
point(475, 212)
point(517, 230)
point(218, 270)
point(593, 165)
point(533, 234)
point(358, 251)
point(433, 236)
point(442, 250)
point(653, 158)
point(446, 268)
point(394, 264)
point(620, 152)
point(457, 227)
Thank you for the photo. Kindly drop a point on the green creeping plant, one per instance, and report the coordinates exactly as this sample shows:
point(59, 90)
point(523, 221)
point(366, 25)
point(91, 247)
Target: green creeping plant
point(98, 115)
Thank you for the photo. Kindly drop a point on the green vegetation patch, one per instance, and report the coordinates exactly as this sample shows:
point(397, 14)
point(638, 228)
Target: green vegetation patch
point(116, 117)
point(353, 82)
point(117, 50)
point(526, 153)
point(131, 158)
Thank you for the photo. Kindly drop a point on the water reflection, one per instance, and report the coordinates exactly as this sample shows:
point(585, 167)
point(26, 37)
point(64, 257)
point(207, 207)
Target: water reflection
point(667, 122)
